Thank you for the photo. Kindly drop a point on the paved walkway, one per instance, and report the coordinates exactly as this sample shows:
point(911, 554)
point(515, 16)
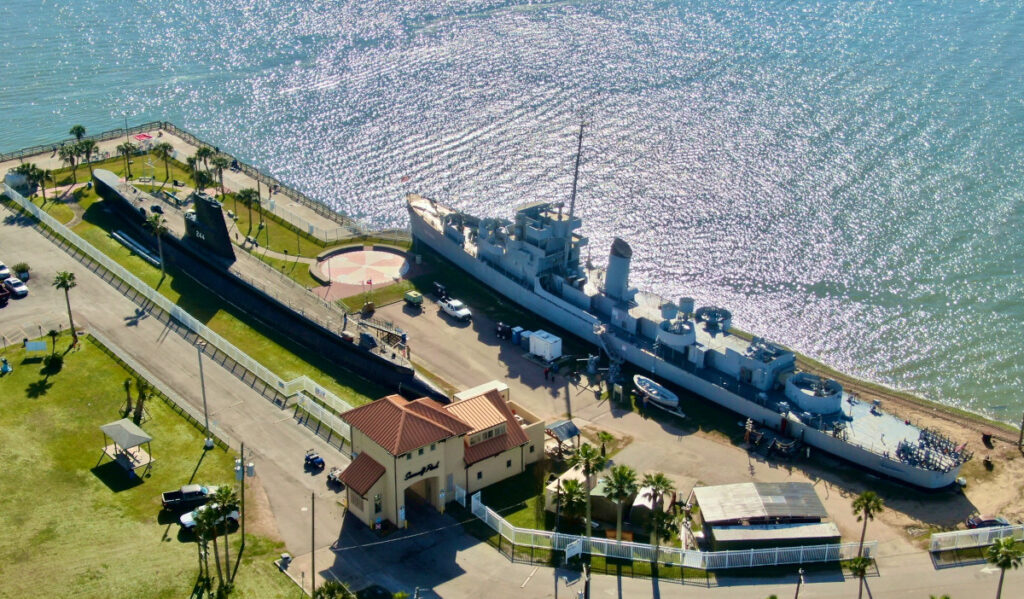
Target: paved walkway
point(232, 180)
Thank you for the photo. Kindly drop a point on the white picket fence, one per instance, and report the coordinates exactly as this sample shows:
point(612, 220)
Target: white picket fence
point(294, 387)
point(976, 537)
point(668, 556)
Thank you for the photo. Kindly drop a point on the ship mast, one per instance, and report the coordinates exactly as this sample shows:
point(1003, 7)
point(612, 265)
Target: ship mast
point(572, 198)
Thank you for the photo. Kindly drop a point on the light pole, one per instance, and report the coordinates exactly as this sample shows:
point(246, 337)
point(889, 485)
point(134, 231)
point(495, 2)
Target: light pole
point(243, 469)
point(208, 443)
point(799, 580)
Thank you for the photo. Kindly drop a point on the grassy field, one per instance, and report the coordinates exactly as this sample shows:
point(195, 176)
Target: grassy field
point(265, 344)
point(297, 271)
point(73, 526)
point(276, 235)
point(138, 166)
point(58, 210)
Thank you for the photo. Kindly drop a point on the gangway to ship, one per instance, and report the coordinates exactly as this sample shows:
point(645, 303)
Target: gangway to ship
point(615, 359)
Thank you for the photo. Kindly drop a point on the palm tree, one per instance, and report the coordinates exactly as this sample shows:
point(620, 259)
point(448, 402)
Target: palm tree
point(142, 390)
point(69, 155)
point(220, 162)
point(657, 486)
point(158, 225)
point(203, 533)
point(572, 497)
point(204, 153)
point(332, 589)
point(590, 462)
point(163, 151)
point(78, 131)
point(226, 499)
point(604, 437)
point(619, 487)
point(859, 568)
point(865, 507)
point(1004, 554)
point(247, 196)
point(66, 280)
point(206, 521)
point(87, 147)
point(127, 149)
point(53, 334)
point(44, 176)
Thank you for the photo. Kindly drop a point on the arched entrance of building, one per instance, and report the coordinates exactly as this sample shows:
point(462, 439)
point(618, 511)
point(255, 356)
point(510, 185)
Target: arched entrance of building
point(421, 499)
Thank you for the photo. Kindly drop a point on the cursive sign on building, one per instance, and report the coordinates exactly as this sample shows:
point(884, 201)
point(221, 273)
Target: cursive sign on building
point(422, 470)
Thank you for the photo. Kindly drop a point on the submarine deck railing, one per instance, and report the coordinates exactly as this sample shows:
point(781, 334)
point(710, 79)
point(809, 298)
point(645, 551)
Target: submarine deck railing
point(301, 387)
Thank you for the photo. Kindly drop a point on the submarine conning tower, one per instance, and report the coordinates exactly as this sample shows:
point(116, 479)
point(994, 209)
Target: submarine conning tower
point(616, 279)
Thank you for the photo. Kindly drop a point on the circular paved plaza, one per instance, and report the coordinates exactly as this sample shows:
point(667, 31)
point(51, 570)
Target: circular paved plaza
point(365, 267)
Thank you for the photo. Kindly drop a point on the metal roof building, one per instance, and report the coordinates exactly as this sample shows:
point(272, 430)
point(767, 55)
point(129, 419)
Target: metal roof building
point(759, 503)
point(749, 515)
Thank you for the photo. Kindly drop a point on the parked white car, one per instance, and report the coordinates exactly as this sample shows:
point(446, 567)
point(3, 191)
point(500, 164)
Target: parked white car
point(16, 287)
point(456, 309)
point(4, 271)
point(189, 520)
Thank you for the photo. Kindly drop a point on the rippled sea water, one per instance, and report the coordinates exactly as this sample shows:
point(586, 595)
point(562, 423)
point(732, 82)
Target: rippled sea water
point(845, 176)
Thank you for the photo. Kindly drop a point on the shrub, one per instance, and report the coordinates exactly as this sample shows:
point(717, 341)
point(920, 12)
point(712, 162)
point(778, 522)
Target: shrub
point(20, 267)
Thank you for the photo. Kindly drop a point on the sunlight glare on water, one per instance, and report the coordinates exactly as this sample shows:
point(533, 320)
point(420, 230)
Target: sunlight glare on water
point(845, 176)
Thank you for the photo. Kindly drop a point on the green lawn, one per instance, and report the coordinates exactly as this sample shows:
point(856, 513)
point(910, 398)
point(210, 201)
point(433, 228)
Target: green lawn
point(277, 234)
point(139, 168)
point(58, 210)
point(74, 526)
point(297, 271)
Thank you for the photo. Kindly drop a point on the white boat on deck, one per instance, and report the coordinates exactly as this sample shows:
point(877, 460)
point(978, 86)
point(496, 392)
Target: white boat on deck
point(656, 393)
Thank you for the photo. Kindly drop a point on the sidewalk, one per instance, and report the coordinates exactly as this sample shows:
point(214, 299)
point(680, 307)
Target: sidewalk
point(233, 181)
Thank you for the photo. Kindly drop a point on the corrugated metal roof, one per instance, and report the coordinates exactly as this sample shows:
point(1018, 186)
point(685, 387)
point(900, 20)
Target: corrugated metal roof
point(562, 430)
point(776, 532)
point(361, 474)
point(758, 501)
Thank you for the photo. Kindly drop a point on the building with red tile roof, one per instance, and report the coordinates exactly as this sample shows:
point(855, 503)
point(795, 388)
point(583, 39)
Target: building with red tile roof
point(427, 452)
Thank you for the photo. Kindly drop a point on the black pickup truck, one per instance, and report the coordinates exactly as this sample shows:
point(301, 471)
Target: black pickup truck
point(187, 497)
point(4, 296)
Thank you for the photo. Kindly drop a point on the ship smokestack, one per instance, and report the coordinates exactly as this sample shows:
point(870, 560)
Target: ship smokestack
point(616, 280)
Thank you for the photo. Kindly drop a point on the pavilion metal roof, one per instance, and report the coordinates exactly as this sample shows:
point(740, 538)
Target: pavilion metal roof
point(125, 433)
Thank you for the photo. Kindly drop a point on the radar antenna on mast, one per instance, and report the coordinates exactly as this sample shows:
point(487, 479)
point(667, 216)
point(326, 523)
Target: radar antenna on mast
point(572, 198)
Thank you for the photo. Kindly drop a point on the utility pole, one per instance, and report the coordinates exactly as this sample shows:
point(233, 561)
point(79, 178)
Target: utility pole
point(799, 581)
point(312, 542)
point(208, 443)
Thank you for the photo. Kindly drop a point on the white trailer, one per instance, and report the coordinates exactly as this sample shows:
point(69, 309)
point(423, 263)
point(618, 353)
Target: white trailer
point(545, 345)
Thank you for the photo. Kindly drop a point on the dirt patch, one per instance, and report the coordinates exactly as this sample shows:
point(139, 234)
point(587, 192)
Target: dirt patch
point(260, 519)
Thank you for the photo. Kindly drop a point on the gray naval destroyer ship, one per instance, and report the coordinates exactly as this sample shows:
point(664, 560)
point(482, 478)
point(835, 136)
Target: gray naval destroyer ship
point(534, 260)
